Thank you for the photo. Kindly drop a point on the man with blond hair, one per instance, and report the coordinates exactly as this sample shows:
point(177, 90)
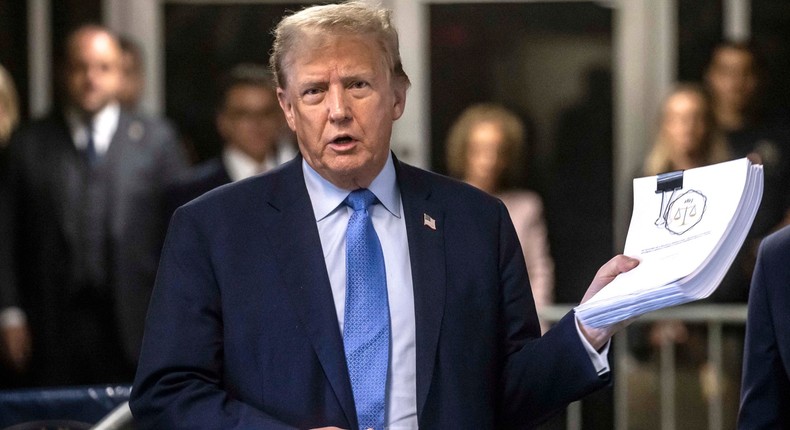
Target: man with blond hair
point(347, 289)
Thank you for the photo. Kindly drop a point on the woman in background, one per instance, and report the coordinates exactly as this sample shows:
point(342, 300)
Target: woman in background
point(688, 136)
point(14, 337)
point(9, 108)
point(484, 149)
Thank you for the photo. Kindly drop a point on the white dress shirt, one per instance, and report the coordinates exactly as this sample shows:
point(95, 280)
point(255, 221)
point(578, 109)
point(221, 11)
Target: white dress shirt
point(104, 124)
point(332, 217)
point(240, 166)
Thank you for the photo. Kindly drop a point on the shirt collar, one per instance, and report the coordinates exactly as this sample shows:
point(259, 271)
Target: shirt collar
point(326, 197)
point(104, 123)
point(241, 166)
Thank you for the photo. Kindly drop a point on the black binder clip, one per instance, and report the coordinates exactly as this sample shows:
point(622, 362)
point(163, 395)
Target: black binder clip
point(670, 181)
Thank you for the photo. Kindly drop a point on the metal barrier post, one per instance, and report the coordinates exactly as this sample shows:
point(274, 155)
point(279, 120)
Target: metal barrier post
point(668, 376)
point(621, 381)
point(715, 401)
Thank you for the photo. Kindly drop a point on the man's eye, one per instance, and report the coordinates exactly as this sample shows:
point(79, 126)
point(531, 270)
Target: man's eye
point(312, 95)
point(359, 84)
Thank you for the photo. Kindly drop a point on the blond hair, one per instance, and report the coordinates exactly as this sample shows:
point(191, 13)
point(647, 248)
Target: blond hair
point(354, 17)
point(9, 106)
point(713, 148)
point(513, 132)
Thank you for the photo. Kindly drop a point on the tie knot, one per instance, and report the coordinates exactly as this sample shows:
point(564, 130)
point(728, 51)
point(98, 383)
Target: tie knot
point(360, 199)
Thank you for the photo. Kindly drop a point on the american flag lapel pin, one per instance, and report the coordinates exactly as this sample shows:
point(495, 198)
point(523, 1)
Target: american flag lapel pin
point(428, 221)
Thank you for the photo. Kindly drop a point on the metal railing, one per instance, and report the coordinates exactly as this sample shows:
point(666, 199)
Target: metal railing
point(119, 418)
point(713, 316)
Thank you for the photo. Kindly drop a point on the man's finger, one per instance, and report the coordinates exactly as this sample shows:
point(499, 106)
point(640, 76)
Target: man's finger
point(617, 265)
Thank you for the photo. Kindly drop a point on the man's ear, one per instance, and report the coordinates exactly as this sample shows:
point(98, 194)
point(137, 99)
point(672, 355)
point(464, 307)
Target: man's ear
point(399, 89)
point(287, 107)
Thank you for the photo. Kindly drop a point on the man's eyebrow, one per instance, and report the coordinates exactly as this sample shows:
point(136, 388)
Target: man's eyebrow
point(311, 83)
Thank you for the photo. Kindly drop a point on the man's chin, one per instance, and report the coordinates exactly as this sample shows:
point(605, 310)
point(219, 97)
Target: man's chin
point(91, 107)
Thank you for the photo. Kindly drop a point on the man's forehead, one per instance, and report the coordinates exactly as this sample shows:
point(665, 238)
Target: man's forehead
point(96, 46)
point(320, 67)
point(325, 69)
point(731, 55)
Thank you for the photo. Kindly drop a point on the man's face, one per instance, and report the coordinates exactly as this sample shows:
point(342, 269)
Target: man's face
point(732, 78)
point(251, 120)
point(341, 102)
point(93, 70)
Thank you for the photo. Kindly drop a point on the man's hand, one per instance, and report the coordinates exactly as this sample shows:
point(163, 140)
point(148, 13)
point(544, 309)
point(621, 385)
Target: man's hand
point(617, 265)
point(15, 346)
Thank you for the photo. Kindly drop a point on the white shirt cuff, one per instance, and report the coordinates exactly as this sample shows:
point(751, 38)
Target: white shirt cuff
point(12, 317)
point(600, 360)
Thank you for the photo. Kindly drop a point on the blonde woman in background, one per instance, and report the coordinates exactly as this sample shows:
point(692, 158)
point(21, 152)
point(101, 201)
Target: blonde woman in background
point(688, 136)
point(9, 108)
point(484, 150)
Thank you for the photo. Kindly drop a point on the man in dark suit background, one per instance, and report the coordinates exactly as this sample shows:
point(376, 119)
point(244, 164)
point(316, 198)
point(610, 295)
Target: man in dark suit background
point(85, 200)
point(765, 389)
point(252, 126)
point(257, 296)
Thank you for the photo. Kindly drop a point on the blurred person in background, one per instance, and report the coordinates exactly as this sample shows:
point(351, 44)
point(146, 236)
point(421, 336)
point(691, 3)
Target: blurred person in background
point(84, 203)
point(688, 137)
point(132, 85)
point(14, 336)
point(735, 79)
point(132, 74)
point(255, 135)
point(9, 107)
point(737, 83)
point(483, 149)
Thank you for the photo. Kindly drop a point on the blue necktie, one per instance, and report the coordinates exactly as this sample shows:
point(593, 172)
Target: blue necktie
point(366, 329)
point(90, 147)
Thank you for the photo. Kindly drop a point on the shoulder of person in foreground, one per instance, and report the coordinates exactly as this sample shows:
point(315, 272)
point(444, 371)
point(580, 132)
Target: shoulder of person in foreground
point(765, 388)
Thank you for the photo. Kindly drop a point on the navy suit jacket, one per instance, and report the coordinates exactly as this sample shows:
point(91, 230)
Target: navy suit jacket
point(765, 391)
point(242, 331)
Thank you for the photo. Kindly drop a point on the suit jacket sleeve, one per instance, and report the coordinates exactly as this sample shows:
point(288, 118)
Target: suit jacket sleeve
point(765, 392)
point(179, 382)
point(542, 375)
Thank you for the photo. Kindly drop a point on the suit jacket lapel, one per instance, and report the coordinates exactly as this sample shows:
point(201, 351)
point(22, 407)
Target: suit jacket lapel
point(426, 252)
point(120, 162)
point(292, 227)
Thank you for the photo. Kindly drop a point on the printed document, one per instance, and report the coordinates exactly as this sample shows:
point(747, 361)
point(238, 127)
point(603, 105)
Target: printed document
point(686, 229)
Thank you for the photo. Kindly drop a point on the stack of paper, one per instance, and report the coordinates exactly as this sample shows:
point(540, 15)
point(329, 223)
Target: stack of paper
point(686, 237)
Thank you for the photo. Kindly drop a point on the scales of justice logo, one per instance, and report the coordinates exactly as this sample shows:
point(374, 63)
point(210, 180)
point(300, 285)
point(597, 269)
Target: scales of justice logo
point(680, 214)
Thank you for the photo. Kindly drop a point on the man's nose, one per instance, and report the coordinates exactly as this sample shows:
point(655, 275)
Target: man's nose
point(338, 108)
point(92, 73)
